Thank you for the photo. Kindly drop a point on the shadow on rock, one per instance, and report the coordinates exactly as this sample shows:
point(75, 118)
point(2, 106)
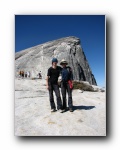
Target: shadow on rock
point(83, 107)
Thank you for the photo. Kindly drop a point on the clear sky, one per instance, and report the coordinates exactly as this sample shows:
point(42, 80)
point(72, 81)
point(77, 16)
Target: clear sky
point(31, 30)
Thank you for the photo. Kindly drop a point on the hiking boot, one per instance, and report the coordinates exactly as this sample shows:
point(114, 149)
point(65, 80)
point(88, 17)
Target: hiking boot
point(70, 109)
point(53, 110)
point(65, 109)
point(60, 110)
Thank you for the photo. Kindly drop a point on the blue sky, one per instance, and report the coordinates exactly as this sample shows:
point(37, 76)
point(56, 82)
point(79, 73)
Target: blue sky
point(31, 30)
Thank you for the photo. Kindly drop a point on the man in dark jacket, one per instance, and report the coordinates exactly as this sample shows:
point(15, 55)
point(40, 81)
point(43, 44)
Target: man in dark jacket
point(52, 85)
point(66, 85)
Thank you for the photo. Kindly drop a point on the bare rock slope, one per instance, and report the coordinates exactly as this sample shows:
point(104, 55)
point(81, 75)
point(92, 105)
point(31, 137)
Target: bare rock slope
point(34, 118)
point(38, 58)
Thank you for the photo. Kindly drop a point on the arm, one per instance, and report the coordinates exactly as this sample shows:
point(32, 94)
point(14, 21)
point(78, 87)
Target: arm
point(47, 85)
point(71, 75)
point(47, 79)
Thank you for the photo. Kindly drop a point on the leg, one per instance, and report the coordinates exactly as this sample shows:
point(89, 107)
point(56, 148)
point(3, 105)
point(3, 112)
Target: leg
point(70, 103)
point(63, 90)
point(51, 98)
point(57, 93)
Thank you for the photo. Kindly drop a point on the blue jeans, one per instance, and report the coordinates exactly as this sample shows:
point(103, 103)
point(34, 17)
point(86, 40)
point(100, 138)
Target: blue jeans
point(55, 88)
point(65, 88)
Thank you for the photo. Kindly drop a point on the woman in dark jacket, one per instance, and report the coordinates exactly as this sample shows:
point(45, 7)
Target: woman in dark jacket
point(66, 84)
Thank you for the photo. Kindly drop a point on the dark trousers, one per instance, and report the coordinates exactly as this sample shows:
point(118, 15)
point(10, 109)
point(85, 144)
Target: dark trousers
point(55, 88)
point(65, 87)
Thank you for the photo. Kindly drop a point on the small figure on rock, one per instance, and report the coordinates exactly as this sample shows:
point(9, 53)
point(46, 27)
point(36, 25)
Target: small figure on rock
point(25, 74)
point(19, 73)
point(28, 74)
point(39, 75)
point(22, 74)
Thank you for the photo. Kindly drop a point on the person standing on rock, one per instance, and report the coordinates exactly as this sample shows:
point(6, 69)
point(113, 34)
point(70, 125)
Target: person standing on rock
point(66, 85)
point(28, 74)
point(52, 85)
point(39, 74)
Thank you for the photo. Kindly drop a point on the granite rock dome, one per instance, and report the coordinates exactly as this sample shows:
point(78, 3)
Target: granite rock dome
point(38, 58)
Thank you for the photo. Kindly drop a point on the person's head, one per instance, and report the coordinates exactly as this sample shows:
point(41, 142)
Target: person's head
point(63, 63)
point(54, 62)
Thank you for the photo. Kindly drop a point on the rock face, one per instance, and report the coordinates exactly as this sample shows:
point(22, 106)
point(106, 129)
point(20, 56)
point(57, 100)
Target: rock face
point(39, 58)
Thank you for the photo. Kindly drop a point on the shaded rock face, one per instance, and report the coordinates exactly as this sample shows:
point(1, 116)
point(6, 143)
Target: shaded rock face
point(39, 58)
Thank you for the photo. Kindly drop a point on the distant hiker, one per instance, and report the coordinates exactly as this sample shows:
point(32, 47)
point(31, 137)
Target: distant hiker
point(52, 85)
point(22, 74)
point(28, 74)
point(25, 74)
point(19, 73)
point(66, 84)
point(39, 75)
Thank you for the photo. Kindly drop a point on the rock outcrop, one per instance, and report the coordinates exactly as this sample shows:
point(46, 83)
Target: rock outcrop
point(38, 58)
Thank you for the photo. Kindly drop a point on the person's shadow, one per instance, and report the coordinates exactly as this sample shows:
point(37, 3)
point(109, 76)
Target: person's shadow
point(82, 107)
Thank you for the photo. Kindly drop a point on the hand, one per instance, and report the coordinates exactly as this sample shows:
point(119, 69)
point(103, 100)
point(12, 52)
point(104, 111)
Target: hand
point(72, 83)
point(47, 87)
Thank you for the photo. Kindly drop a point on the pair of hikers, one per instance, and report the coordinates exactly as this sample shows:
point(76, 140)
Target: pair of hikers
point(66, 85)
point(21, 73)
point(24, 74)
